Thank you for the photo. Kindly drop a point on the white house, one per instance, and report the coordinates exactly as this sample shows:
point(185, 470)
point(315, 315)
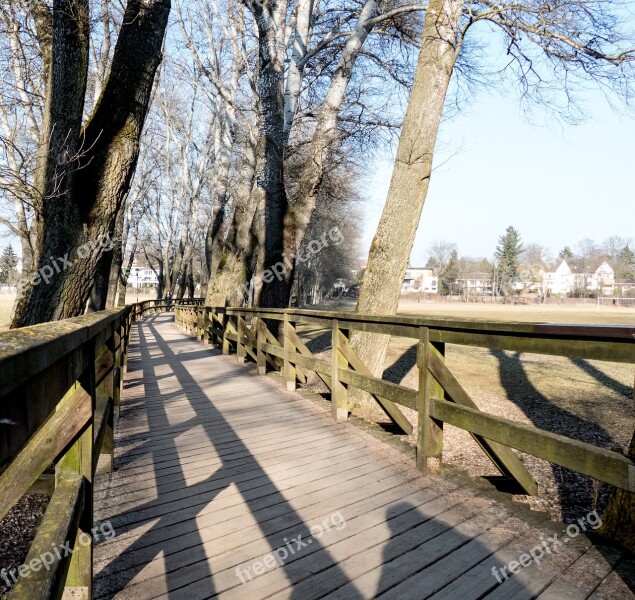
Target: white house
point(142, 276)
point(477, 284)
point(559, 282)
point(565, 279)
point(418, 279)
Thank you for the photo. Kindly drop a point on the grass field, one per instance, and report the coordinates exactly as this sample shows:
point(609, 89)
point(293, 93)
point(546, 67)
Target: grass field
point(547, 313)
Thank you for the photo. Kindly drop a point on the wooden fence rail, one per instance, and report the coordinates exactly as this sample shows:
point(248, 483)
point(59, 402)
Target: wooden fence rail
point(60, 386)
point(440, 398)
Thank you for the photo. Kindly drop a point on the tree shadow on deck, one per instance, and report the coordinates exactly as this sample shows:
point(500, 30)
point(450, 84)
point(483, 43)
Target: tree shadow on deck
point(578, 494)
point(173, 541)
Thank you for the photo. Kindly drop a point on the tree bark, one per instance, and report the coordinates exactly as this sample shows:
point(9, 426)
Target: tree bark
point(229, 271)
point(270, 185)
point(618, 520)
point(85, 215)
point(57, 218)
point(392, 244)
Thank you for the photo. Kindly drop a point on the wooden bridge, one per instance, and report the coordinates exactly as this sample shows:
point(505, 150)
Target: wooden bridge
point(230, 484)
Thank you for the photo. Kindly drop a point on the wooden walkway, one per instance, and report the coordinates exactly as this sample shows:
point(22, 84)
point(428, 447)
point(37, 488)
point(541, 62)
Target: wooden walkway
point(228, 486)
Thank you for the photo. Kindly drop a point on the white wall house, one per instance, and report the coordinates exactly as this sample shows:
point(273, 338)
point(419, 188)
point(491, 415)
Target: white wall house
point(141, 276)
point(564, 280)
point(418, 279)
point(477, 284)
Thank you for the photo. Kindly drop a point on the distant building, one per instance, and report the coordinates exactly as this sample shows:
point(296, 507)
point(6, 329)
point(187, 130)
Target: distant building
point(142, 275)
point(419, 279)
point(476, 284)
point(572, 276)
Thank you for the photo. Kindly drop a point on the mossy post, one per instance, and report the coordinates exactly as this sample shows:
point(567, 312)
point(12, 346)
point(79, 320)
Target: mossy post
point(430, 431)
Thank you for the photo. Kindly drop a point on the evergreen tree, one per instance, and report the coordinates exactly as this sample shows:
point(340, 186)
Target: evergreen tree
point(508, 254)
point(625, 264)
point(7, 264)
point(449, 275)
point(565, 253)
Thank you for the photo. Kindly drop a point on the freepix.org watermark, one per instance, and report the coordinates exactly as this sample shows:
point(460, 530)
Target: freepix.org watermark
point(56, 265)
point(548, 546)
point(292, 546)
point(314, 247)
point(103, 531)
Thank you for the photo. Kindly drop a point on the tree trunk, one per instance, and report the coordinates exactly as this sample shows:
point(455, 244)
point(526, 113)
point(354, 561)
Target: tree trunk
point(270, 20)
point(77, 224)
point(391, 247)
point(229, 271)
point(57, 219)
point(119, 246)
point(618, 520)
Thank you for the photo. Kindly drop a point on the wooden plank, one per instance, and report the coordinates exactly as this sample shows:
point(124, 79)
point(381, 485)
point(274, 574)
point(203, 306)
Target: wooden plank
point(393, 412)
point(612, 343)
point(288, 369)
point(261, 356)
point(103, 422)
point(339, 392)
point(273, 350)
point(318, 365)
point(25, 409)
point(324, 375)
point(603, 465)
point(504, 459)
point(59, 527)
point(27, 351)
point(73, 413)
point(386, 390)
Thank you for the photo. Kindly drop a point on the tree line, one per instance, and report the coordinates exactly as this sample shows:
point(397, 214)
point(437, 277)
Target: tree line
point(514, 262)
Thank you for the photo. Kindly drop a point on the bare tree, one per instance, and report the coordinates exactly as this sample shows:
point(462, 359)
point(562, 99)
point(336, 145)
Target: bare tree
point(439, 254)
point(570, 42)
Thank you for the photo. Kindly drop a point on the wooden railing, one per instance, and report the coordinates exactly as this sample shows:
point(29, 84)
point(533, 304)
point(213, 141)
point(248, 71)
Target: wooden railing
point(440, 398)
point(60, 388)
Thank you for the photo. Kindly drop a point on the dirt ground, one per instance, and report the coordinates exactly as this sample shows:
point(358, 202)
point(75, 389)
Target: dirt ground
point(587, 400)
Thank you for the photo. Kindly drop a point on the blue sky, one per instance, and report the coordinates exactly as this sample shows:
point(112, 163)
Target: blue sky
point(556, 184)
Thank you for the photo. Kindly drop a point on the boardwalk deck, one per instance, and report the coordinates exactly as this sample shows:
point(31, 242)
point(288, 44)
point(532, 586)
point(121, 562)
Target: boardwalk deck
point(228, 486)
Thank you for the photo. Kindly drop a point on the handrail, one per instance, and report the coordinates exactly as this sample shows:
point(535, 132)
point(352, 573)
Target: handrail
point(440, 398)
point(60, 393)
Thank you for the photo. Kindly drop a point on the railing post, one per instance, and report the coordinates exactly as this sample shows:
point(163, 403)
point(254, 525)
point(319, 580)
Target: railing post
point(127, 324)
point(241, 353)
point(261, 338)
point(78, 461)
point(117, 378)
point(206, 325)
point(289, 349)
point(225, 338)
point(339, 392)
point(430, 431)
point(106, 392)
